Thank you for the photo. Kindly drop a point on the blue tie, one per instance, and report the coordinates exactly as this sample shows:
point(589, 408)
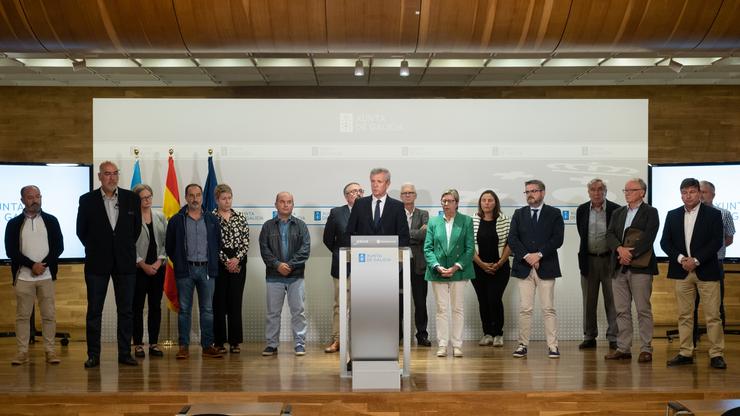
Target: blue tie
point(376, 220)
point(534, 218)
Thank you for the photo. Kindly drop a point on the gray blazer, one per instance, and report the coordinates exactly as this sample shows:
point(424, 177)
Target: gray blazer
point(160, 234)
point(419, 218)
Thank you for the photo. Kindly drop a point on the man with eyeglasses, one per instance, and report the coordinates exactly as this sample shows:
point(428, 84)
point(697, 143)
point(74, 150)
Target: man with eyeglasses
point(633, 281)
point(336, 226)
point(417, 220)
point(108, 225)
point(592, 219)
point(692, 236)
point(536, 234)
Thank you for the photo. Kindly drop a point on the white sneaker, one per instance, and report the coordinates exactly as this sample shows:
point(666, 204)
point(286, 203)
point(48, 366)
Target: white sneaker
point(486, 340)
point(457, 352)
point(498, 341)
point(442, 352)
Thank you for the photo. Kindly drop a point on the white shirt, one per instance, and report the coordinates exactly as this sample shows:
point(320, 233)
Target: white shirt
point(409, 216)
point(111, 207)
point(34, 244)
point(382, 205)
point(448, 228)
point(689, 220)
point(539, 211)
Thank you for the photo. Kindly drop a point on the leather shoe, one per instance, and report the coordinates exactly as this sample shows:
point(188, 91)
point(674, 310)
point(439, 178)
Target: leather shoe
point(612, 345)
point(424, 342)
point(679, 360)
point(718, 363)
point(618, 355)
point(212, 352)
point(183, 353)
point(127, 360)
point(332, 348)
point(587, 344)
point(92, 362)
point(645, 357)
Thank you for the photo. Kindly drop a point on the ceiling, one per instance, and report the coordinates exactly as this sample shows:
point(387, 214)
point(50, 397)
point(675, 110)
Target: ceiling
point(318, 42)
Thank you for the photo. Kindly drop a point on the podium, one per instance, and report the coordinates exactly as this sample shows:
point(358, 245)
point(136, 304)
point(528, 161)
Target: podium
point(373, 344)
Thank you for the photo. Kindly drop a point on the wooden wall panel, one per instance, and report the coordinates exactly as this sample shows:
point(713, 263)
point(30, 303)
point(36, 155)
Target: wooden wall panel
point(372, 25)
point(16, 35)
point(726, 28)
point(492, 26)
point(686, 124)
point(637, 25)
point(253, 25)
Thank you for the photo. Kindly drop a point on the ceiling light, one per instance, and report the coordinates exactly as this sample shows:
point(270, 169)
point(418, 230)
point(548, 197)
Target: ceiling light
point(696, 61)
point(515, 63)
point(166, 63)
point(224, 62)
point(283, 62)
point(404, 71)
point(35, 62)
point(111, 63)
point(634, 62)
point(675, 65)
point(573, 62)
point(395, 62)
point(359, 68)
point(78, 66)
point(457, 63)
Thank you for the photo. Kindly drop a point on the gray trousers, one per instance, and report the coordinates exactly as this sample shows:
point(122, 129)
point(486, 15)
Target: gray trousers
point(638, 287)
point(599, 274)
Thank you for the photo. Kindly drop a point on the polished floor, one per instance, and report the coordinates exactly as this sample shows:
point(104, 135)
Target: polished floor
point(481, 369)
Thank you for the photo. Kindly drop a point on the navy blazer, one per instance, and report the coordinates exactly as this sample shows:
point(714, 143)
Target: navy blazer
point(13, 244)
point(546, 238)
point(334, 238)
point(392, 222)
point(109, 250)
point(706, 240)
point(582, 216)
point(647, 220)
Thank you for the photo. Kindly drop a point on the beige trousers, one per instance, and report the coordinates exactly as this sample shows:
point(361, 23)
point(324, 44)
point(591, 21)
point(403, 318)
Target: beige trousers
point(26, 294)
point(710, 299)
point(450, 296)
point(528, 288)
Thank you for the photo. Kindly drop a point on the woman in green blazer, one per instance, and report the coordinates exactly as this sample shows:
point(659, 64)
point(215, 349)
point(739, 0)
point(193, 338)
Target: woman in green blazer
point(448, 249)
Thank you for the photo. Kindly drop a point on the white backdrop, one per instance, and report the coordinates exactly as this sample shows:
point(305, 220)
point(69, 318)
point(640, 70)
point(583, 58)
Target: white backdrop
point(313, 147)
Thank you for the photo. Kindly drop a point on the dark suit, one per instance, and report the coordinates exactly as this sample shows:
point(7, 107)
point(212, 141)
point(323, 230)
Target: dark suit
point(545, 237)
point(633, 283)
point(595, 272)
point(109, 252)
point(419, 286)
point(334, 238)
point(706, 239)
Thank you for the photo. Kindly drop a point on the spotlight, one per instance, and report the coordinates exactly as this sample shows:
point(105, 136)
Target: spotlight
point(78, 66)
point(359, 68)
point(404, 71)
point(675, 65)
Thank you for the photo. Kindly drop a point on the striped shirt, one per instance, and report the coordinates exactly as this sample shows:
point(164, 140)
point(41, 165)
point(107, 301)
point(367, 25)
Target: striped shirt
point(728, 225)
point(503, 224)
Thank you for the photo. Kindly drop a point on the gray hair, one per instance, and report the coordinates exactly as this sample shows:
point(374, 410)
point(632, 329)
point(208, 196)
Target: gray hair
point(539, 183)
point(453, 193)
point(377, 171)
point(708, 184)
point(27, 187)
point(104, 163)
point(595, 181)
point(142, 187)
point(408, 185)
point(277, 196)
point(344, 190)
point(222, 188)
point(640, 182)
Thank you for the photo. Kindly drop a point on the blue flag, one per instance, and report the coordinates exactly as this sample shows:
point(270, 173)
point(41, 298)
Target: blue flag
point(136, 178)
point(209, 198)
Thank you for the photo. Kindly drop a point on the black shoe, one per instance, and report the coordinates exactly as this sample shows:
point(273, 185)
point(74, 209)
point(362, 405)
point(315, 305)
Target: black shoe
point(127, 360)
point(612, 345)
point(679, 360)
point(424, 342)
point(139, 351)
point(155, 352)
point(718, 363)
point(92, 362)
point(587, 344)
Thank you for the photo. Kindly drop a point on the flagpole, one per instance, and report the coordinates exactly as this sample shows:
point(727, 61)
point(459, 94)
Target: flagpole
point(169, 342)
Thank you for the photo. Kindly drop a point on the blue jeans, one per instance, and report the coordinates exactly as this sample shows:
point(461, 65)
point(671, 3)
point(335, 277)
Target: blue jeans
point(277, 287)
point(197, 279)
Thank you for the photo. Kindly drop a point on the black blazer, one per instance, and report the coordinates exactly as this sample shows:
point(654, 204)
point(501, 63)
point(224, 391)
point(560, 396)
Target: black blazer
point(13, 244)
point(334, 238)
point(582, 215)
point(392, 222)
point(107, 250)
point(546, 238)
point(706, 240)
point(647, 220)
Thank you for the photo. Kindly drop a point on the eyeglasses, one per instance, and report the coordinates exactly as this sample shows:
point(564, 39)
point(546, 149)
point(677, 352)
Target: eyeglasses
point(534, 191)
point(146, 198)
point(355, 191)
point(408, 193)
point(628, 191)
point(447, 201)
point(109, 174)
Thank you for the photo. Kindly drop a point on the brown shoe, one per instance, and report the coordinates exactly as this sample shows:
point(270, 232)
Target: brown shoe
point(212, 352)
point(20, 359)
point(645, 357)
point(183, 353)
point(618, 355)
point(51, 358)
point(333, 347)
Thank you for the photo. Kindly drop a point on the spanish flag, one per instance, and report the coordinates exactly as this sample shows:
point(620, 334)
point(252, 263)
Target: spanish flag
point(170, 207)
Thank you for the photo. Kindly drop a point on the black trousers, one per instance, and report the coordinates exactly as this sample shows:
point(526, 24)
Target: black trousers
point(148, 287)
point(227, 306)
point(123, 288)
point(419, 290)
point(490, 292)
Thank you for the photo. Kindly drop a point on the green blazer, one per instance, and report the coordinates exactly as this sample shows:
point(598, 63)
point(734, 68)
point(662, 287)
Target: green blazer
point(460, 250)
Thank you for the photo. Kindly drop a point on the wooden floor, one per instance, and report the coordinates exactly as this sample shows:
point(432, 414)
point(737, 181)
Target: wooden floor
point(486, 381)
